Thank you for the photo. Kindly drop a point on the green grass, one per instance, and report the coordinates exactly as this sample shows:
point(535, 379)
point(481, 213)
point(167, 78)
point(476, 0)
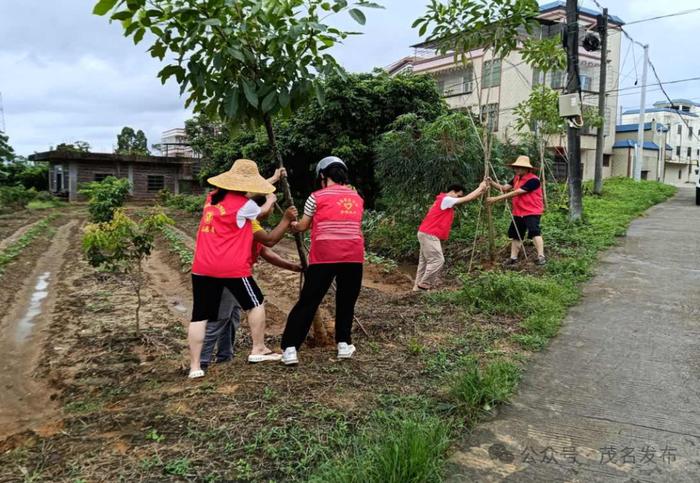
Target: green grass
point(44, 204)
point(15, 249)
point(475, 389)
point(394, 447)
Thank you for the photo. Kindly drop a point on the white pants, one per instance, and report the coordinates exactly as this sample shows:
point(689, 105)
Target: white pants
point(430, 260)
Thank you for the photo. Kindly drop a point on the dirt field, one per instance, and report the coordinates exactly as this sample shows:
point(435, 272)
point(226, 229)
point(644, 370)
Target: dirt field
point(87, 399)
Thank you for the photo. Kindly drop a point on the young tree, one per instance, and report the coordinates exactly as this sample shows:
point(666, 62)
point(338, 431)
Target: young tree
point(539, 114)
point(131, 142)
point(244, 61)
point(121, 245)
point(105, 197)
point(460, 27)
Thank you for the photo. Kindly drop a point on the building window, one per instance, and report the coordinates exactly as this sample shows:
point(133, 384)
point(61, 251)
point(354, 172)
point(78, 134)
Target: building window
point(645, 174)
point(606, 160)
point(678, 151)
point(690, 131)
point(489, 116)
point(679, 174)
point(558, 79)
point(690, 152)
point(491, 74)
point(586, 82)
point(468, 81)
point(156, 183)
point(680, 130)
point(99, 177)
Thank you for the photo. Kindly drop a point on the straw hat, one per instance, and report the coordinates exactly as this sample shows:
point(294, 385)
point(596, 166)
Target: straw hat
point(243, 176)
point(522, 162)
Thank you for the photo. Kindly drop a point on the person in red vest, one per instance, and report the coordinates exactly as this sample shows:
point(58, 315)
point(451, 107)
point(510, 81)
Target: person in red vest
point(334, 214)
point(528, 205)
point(223, 258)
point(434, 229)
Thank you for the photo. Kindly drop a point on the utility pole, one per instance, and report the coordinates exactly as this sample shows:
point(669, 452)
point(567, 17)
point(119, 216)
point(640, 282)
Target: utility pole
point(639, 152)
point(573, 85)
point(600, 139)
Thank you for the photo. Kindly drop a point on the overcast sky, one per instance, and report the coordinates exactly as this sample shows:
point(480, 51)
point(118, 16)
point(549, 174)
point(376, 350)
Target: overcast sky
point(67, 75)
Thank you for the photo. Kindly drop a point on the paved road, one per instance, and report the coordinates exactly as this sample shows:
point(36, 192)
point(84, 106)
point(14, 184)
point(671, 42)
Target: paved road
point(616, 397)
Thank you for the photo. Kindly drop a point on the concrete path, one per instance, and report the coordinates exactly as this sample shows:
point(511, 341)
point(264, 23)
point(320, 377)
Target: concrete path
point(616, 397)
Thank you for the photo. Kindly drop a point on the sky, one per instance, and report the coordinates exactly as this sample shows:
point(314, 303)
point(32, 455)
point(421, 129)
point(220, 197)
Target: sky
point(67, 75)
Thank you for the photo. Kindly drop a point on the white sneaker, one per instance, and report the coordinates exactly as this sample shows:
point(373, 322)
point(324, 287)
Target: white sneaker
point(289, 358)
point(345, 351)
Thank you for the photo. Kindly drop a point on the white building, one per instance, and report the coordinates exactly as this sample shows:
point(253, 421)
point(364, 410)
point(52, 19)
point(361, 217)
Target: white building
point(513, 80)
point(174, 144)
point(681, 119)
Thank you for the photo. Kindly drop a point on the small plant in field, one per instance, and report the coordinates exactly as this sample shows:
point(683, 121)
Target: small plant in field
point(243, 470)
point(121, 245)
point(388, 265)
point(415, 347)
point(177, 467)
point(105, 197)
point(183, 252)
point(12, 251)
point(153, 435)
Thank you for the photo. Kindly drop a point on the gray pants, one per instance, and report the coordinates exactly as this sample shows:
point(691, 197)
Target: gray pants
point(221, 332)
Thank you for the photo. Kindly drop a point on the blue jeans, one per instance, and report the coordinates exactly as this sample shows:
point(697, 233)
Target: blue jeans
point(221, 332)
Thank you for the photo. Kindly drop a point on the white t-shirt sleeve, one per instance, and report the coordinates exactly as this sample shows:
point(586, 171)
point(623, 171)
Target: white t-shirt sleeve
point(310, 206)
point(249, 211)
point(448, 202)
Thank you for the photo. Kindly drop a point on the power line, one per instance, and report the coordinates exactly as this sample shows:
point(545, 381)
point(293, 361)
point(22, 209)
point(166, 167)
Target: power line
point(677, 14)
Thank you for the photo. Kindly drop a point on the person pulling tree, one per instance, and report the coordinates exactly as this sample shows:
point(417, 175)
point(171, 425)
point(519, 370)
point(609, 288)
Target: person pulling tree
point(334, 215)
point(434, 229)
point(525, 189)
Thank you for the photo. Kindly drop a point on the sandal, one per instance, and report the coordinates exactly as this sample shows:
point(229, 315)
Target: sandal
point(268, 357)
point(196, 374)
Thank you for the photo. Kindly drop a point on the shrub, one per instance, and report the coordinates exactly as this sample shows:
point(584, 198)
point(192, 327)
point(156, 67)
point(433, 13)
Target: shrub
point(15, 197)
point(189, 203)
point(105, 197)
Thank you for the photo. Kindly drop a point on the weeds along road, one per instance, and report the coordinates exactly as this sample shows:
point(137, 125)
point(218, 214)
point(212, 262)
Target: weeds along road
point(615, 397)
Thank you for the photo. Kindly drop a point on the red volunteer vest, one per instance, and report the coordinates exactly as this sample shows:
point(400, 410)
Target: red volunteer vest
point(438, 222)
point(223, 250)
point(530, 203)
point(336, 230)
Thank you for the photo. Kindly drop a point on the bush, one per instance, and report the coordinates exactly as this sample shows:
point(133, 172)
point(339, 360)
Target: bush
point(15, 197)
point(105, 197)
point(189, 203)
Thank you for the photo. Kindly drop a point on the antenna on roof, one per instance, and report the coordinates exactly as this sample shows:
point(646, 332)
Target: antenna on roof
point(2, 115)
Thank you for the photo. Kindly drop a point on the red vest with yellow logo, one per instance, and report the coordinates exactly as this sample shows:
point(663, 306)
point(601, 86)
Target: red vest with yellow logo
point(336, 230)
point(530, 203)
point(223, 250)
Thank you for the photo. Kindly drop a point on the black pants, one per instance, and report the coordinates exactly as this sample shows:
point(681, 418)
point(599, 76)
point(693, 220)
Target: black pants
point(317, 281)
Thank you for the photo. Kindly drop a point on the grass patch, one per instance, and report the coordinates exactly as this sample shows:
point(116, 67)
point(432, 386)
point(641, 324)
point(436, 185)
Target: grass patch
point(475, 390)
point(394, 447)
point(45, 204)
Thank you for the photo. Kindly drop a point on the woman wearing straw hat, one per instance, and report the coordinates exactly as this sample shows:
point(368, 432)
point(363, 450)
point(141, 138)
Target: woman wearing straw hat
point(334, 214)
point(223, 257)
point(526, 191)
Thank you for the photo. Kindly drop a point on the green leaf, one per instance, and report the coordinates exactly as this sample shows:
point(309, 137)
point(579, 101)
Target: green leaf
point(269, 102)
point(231, 104)
point(214, 22)
point(284, 99)
point(320, 95)
point(236, 54)
point(250, 94)
point(138, 36)
point(123, 15)
point(370, 5)
point(358, 16)
point(104, 6)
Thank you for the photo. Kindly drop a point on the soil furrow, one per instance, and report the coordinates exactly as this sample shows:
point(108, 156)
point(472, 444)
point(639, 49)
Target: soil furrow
point(25, 401)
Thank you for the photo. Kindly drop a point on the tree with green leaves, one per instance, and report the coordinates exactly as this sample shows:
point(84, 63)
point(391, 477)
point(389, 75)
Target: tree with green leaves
point(244, 60)
point(131, 142)
point(459, 28)
point(317, 130)
point(105, 197)
point(539, 114)
point(7, 154)
point(120, 246)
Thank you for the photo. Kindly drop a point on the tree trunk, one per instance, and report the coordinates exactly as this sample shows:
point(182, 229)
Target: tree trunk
point(543, 180)
point(285, 186)
point(491, 231)
point(136, 280)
